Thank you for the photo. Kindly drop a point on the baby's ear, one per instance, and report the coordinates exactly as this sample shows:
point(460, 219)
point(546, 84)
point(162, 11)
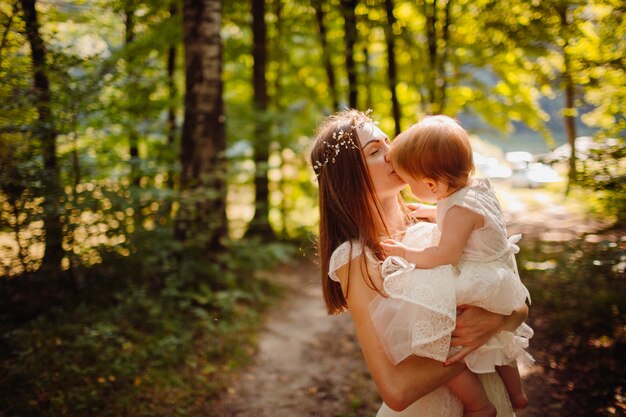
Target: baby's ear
point(431, 184)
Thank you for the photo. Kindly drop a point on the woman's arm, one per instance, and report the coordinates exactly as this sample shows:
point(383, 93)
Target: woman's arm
point(402, 384)
point(475, 325)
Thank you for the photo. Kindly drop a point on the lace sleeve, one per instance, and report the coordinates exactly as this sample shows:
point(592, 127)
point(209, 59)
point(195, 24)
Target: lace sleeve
point(345, 253)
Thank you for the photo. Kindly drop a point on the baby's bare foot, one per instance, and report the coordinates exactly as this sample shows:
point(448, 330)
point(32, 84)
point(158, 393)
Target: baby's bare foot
point(487, 411)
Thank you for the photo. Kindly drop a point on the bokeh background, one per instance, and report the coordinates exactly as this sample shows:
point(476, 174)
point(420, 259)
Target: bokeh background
point(153, 169)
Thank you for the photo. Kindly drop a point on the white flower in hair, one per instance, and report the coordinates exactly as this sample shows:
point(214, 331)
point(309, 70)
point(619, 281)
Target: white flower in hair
point(341, 140)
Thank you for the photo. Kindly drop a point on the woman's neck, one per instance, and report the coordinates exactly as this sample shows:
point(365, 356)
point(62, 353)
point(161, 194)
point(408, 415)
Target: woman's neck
point(394, 216)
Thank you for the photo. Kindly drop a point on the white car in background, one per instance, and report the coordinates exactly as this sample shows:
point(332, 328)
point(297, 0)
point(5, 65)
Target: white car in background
point(490, 167)
point(529, 174)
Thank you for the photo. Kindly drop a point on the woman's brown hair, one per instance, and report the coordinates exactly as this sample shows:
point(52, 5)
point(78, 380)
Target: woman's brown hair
point(349, 208)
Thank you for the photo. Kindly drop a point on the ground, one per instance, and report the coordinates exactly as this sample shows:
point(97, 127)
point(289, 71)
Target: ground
point(309, 364)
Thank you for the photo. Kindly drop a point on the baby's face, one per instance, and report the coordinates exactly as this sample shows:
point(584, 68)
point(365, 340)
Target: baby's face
point(421, 188)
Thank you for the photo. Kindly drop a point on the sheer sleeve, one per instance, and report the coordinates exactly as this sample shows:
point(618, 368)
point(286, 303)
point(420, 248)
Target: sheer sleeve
point(345, 253)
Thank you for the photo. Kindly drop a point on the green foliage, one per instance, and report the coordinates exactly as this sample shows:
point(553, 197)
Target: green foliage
point(603, 172)
point(579, 314)
point(141, 330)
point(145, 299)
point(580, 288)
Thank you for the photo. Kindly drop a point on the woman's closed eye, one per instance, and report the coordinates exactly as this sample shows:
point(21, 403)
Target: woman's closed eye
point(377, 145)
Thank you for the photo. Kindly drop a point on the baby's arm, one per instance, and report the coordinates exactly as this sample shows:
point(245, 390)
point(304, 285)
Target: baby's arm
point(423, 211)
point(455, 231)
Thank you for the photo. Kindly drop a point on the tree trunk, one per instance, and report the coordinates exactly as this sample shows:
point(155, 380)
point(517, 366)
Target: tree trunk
point(171, 111)
point(392, 77)
point(260, 225)
point(45, 131)
point(430, 13)
point(133, 135)
point(437, 36)
point(569, 117)
point(348, 8)
point(171, 154)
point(442, 79)
point(328, 65)
point(278, 54)
point(367, 75)
point(201, 221)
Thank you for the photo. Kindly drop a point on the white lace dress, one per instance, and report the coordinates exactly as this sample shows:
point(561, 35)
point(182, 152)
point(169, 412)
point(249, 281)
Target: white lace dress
point(486, 277)
point(441, 402)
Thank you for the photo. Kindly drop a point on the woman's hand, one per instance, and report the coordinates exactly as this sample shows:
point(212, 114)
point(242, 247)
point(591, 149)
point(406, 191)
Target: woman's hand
point(474, 326)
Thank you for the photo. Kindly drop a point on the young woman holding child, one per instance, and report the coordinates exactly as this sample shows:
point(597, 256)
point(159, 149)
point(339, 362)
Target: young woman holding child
point(360, 202)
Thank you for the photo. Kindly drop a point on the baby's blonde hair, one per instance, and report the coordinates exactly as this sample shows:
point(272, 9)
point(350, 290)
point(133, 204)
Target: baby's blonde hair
point(437, 148)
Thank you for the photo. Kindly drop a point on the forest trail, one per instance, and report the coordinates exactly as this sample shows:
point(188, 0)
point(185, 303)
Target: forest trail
point(304, 356)
point(309, 364)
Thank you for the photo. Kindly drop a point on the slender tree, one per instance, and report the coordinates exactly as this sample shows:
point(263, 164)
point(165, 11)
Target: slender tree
point(202, 215)
point(260, 226)
point(318, 5)
point(569, 114)
point(171, 110)
point(367, 77)
point(437, 36)
point(133, 135)
point(348, 7)
point(45, 131)
point(392, 77)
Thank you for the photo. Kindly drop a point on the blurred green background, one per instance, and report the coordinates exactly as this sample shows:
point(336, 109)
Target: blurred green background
point(134, 215)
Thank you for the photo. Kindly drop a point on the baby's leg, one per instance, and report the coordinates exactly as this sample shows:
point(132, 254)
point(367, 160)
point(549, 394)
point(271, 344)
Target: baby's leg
point(470, 391)
point(513, 383)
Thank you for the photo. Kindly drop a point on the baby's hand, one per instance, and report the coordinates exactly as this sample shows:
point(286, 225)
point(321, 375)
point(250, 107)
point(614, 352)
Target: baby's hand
point(393, 247)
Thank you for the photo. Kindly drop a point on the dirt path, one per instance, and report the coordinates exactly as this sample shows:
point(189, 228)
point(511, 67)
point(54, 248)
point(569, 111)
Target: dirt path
point(309, 364)
point(304, 359)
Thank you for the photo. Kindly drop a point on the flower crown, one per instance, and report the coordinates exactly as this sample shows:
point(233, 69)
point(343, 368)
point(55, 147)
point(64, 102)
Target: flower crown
point(342, 139)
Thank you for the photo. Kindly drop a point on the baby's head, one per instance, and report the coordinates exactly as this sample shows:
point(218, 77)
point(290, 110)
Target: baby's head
point(437, 148)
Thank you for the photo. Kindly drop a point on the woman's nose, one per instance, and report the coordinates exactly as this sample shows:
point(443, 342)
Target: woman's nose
point(387, 157)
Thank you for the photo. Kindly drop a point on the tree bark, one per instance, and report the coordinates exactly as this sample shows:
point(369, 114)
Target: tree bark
point(278, 54)
point(569, 117)
point(437, 36)
point(45, 131)
point(201, 218)
point(133, 135)
point(260, 225)
point(171, 111)
point(367, 77)
point(392, 77)
point(328, 65)
point(430, 13)
point(442, 79)
point(348, 8)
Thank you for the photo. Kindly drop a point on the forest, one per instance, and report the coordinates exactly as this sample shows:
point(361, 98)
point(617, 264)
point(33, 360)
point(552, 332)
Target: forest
point(153, 159)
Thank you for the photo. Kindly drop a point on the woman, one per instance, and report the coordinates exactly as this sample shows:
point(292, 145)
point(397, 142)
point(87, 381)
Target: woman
point(360, 203)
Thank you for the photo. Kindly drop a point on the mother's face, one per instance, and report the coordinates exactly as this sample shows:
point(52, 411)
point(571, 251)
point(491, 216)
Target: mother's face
point(375, 145)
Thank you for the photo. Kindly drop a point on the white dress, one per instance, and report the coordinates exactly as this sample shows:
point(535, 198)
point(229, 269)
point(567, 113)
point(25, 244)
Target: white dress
point(441, 402)
point(486, 277)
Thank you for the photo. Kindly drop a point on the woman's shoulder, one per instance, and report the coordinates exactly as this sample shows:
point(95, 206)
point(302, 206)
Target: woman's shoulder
point(346, 253)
